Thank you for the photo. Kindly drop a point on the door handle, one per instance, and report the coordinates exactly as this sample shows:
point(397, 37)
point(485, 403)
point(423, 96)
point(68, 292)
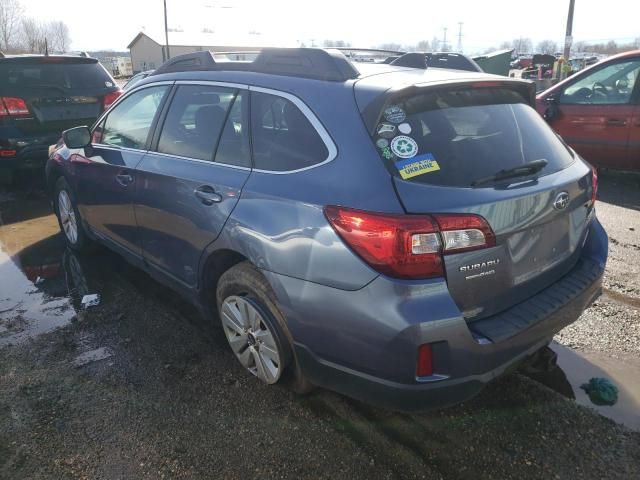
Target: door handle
point(124, 179)
point(207, 195)
point(616, 122)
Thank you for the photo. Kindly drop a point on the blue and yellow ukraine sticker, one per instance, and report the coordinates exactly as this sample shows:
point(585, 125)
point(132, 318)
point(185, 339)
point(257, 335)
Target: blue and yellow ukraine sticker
point(412, 167)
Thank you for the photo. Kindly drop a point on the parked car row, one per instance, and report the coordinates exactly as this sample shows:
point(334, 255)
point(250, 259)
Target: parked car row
point(397, 233)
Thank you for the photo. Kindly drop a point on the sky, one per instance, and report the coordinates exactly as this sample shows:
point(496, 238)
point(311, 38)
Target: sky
point(486, 23)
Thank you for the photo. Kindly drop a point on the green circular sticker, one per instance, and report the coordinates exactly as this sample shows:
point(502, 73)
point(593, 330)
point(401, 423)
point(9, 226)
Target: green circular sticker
point(404, 147)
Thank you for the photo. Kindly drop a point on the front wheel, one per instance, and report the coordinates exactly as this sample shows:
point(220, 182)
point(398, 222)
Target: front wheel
point(69, 217)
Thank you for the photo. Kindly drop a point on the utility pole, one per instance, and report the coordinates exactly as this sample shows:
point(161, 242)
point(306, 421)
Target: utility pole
point(444, 40)
point(569, 37)
point(166, 31)
point(460, 37)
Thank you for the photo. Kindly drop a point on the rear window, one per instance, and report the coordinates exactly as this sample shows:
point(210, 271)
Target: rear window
point(65, 76)
point(454, 138)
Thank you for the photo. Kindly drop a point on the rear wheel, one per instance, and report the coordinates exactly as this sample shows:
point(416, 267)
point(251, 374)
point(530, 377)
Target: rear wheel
point(69, 217)
point(255, 328)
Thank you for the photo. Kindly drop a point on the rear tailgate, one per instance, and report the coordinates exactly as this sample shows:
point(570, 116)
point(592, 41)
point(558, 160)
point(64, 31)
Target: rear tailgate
point(439, 142)
point(59, 92)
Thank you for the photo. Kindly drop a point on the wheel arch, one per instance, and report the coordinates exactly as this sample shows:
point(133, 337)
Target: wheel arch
point(213, 266)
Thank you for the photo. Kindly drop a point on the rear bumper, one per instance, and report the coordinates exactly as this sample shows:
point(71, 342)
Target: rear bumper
point(363, 343)
point(31, 151)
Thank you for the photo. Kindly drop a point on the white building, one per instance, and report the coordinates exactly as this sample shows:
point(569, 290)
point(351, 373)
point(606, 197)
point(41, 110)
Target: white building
point(148, 51)
point(117, 66)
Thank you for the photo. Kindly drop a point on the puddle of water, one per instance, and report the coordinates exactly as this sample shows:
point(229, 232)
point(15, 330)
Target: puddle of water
point(577, 368)
point(34, 272)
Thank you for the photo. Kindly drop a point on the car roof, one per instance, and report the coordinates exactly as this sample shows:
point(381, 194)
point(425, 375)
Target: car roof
point(371, 76)
point(385, 76)
point(38, 58)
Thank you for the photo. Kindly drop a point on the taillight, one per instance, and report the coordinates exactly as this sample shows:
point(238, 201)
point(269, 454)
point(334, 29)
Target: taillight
point(12, 106)
point(409, 246)
point(464, 232)
point(110, 97)
point(594, 185)
point(403, 246)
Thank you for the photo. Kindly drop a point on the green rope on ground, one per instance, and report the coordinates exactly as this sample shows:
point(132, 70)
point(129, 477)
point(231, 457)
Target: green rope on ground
point(601, 391)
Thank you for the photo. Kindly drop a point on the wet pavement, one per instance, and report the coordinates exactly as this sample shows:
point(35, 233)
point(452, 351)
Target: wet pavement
point(578, 367)
point(140, 386)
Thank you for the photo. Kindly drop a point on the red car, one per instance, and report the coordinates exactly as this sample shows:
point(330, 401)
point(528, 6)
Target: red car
point(597, 111)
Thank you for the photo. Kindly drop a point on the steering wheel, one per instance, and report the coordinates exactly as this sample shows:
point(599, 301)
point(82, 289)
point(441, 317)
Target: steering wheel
point(598, 88)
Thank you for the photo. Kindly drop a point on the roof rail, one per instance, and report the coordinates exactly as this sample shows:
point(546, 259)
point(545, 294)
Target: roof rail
point(411, 60)
point(349, 51)
point(314, 63)
point(1, 54)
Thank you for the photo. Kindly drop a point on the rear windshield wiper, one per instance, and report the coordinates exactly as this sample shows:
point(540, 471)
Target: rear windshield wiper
point(520, 171)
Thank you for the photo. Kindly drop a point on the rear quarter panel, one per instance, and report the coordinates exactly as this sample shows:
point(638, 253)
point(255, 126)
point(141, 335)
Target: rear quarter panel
point(279, 223)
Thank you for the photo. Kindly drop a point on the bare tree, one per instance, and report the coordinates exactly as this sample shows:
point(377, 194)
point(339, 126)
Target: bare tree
point(580, 47)
point(547, 47)
point(522, 45)
point(435, 44)
point(10, 16)
point(336, 44)
point(57, 34)
point(33, 36)
point(390, 46)
point(423, 46)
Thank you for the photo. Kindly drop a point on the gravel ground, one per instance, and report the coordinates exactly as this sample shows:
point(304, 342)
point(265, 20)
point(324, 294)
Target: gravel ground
point(141, 387)
point(612, 324)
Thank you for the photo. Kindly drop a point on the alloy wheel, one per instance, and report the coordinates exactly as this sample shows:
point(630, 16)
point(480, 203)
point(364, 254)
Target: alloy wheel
point(67, 217)
point(251, 339)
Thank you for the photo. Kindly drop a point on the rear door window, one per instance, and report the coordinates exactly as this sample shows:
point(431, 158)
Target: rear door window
point(283, 137)
point(195, 121)
point(454, 138)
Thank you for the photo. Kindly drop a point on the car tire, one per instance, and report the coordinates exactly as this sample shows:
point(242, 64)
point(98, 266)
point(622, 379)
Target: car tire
point(255, 328)
point(65, 206)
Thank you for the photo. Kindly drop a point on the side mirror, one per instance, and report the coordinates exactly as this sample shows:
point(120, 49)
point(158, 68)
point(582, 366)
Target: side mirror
point(77, 137)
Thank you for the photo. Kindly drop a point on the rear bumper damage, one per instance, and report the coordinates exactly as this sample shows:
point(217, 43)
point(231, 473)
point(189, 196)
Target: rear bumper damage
point(363, 343)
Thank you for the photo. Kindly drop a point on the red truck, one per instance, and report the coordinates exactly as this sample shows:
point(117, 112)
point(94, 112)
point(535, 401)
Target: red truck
point(597, 111)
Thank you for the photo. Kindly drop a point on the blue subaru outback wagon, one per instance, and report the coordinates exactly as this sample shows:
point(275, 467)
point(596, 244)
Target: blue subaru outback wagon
point(396, 233)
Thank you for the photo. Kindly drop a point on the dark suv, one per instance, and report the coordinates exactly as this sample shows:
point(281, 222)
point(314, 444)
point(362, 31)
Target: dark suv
point(398, 233)
point(42, 95)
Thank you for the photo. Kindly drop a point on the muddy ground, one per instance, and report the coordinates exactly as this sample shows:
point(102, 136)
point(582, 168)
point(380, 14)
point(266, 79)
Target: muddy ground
point(142, 387)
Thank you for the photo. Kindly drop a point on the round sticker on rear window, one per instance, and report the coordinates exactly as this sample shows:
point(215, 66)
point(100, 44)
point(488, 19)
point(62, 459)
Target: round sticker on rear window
point(386, 130)
point(395, 114)
point(404, 147)
point(382, 143)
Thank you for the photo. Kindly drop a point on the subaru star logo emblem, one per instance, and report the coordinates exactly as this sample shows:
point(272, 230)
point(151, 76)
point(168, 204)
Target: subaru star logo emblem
point(561, 201)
